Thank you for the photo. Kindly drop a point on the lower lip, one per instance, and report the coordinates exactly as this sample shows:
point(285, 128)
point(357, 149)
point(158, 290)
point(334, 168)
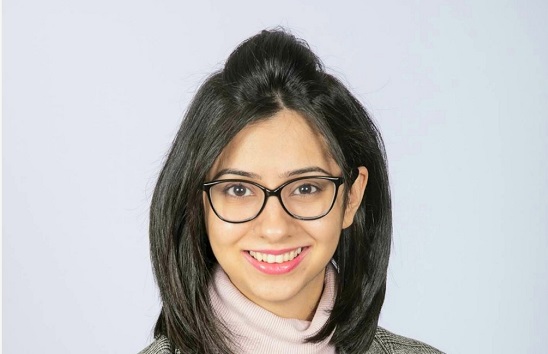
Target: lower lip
point(276, 268)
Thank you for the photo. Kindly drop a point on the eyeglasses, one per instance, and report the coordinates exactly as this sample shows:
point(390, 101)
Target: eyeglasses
point(304, 198)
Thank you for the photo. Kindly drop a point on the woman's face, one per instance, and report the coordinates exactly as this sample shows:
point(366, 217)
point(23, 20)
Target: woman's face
point(271, 152)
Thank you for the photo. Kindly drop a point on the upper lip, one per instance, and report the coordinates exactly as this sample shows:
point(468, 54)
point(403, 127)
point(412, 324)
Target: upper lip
point(277, 252)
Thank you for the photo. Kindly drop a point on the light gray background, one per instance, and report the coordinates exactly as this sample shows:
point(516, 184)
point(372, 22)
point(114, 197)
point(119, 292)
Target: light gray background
point(94, 92)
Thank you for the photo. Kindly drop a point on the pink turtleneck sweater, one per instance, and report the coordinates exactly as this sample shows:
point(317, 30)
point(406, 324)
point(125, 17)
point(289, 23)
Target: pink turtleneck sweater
point(257, 330)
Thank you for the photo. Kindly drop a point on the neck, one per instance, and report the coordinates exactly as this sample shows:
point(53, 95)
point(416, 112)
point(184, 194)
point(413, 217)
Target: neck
point(256, 329)
point(301, 306)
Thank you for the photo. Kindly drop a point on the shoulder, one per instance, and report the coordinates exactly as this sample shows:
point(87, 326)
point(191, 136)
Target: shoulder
point(386, 342)
point(160, 346)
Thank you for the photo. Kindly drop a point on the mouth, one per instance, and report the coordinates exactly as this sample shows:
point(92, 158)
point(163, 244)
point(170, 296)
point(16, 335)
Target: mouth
point(276, 258)
point(276, 262)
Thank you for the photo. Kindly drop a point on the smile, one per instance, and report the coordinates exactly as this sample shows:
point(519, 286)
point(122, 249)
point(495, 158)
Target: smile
point(278, 258)
point(276, 262)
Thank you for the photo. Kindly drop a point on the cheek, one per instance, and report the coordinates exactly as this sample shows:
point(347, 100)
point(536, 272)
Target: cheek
point(222, 235)
point(337, 224)
point(328, 229)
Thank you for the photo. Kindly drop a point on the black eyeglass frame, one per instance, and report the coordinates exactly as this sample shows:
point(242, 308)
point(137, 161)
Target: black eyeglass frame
point(338, 181)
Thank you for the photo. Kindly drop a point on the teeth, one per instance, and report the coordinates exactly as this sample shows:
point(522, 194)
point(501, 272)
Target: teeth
point(280, 258)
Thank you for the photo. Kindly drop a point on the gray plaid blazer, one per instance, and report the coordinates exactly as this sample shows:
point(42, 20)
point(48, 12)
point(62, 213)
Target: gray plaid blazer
point(384, 343)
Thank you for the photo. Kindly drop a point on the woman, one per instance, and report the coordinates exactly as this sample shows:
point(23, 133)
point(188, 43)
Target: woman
point(271, 222)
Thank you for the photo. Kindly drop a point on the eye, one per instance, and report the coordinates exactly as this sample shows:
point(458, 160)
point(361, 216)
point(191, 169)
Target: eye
point(306, 188)
point(238, 190)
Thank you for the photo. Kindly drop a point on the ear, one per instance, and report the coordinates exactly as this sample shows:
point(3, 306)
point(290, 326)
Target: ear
point(355, 196)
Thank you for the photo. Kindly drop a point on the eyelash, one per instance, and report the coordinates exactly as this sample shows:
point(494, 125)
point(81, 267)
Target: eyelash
point(316, 189)
point(232, 186)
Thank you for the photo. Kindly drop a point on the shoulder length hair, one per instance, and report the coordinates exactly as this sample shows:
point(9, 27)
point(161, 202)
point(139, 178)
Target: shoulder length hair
point(268, 72)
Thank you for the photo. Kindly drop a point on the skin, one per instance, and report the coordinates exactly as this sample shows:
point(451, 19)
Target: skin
point(269, 151)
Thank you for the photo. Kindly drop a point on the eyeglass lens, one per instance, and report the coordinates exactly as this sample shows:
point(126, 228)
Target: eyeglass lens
point(305, 198)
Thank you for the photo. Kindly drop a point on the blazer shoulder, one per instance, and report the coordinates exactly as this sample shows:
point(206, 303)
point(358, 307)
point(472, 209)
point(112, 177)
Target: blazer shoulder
point(161, 345)
point(386, 342)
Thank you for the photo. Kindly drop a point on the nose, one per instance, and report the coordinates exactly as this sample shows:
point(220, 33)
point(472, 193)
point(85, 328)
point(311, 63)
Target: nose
point(273, 223)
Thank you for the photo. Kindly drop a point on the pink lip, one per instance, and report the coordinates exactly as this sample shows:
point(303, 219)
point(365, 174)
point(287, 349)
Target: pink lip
point(276, 268)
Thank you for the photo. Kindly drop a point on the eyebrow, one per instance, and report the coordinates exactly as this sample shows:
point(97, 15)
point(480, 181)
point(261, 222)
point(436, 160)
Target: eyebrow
point(231, 171)
point(300, 171)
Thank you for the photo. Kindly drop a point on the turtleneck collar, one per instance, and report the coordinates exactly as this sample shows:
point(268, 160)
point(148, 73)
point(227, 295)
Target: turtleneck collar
point(257, 330)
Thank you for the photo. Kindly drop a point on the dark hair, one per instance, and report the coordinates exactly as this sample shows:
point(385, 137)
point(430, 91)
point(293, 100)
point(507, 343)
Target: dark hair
point(268, 72)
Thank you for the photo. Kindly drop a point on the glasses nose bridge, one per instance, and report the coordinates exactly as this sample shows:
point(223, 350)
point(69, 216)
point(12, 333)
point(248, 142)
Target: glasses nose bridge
point(274, 193)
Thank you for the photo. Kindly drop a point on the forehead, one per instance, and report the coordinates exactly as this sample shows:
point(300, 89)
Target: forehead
point(276, 145)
